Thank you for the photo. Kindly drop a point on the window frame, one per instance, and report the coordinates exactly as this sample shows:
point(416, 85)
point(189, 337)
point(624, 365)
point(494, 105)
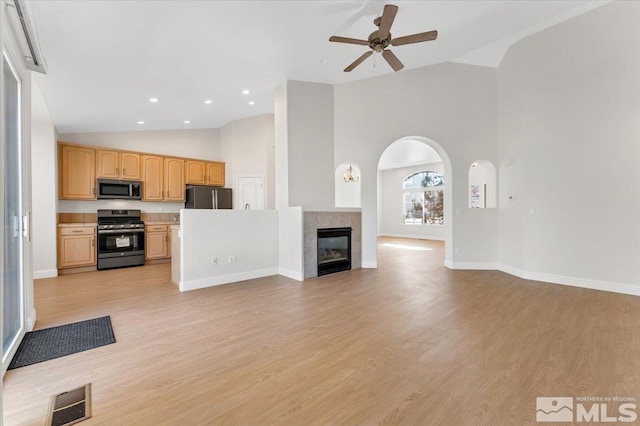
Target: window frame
point(437, 190)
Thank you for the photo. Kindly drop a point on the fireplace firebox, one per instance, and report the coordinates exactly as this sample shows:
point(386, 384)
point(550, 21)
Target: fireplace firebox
point(334, 250)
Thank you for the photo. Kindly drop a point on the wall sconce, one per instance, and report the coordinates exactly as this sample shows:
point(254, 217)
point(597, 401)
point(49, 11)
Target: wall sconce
point(351, 175)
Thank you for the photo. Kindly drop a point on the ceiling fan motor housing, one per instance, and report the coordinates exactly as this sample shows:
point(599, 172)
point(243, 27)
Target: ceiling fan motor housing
point(378, 44)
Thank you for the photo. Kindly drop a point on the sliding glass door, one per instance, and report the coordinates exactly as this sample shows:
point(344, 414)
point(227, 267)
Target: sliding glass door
point(12, 253)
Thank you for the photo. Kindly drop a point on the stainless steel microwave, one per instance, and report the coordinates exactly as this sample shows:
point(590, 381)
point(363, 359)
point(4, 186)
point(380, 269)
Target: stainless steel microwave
point(109, 189)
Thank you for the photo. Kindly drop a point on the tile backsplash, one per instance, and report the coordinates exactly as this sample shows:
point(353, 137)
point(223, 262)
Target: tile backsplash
point(91, 217)
point(77, 218)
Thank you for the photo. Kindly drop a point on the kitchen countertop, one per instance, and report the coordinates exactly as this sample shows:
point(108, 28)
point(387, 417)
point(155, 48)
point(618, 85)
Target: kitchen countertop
point(161, 222)
point(75, 225)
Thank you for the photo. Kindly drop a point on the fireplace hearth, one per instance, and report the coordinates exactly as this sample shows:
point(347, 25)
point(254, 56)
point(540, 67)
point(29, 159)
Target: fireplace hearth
point(334, 250)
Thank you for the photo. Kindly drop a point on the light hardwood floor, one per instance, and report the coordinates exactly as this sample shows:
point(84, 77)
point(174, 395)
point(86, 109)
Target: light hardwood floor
point(409, 343)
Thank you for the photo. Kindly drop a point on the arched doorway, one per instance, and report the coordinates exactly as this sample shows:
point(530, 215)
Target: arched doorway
point(410, 154)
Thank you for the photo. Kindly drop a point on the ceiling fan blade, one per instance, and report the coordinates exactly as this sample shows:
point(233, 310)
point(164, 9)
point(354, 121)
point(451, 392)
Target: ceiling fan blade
point(358, 61)
point(415, 38)
point(348, 40)
point(392, 60)
point(388, 15)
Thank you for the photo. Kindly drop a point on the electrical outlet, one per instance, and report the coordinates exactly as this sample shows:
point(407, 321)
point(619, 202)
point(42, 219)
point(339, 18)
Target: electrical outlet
point(214, 261)
point(458, 250)
point(233, 259)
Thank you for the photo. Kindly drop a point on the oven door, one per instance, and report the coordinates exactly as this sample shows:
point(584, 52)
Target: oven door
point(116, 242)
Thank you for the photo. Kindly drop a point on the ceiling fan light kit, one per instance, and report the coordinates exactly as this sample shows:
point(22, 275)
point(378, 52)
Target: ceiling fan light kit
point(379, 40)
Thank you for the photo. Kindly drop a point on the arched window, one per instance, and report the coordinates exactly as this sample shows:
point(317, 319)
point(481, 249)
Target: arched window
point(423, 198)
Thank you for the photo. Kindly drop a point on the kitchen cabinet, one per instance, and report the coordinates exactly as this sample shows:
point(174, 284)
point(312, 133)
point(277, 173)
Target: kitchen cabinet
point(77, 172)
point(195, 172)
point(76, 246)
point(215, 174)
point(157, 244)
point(112, 164)
point(152, 178)
point(204, 173)
point(162, 178)
point(174, 189)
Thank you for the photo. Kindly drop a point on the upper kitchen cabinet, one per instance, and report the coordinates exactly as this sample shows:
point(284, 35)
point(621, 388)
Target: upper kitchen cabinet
point(77, 172)
point(215, 174)
point(174, 178)
point(118, 165)
point(152, 178)
point(204, 173)
point(130, 163)
point(195, 172)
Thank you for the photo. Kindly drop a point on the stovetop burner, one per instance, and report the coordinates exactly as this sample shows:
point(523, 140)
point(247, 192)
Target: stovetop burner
point(119, 219)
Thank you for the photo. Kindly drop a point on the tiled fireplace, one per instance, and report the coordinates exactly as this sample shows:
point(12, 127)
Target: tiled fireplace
point(334, 225)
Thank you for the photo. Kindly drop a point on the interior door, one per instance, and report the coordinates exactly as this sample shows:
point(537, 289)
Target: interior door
point(251, 193)
point(12, 255)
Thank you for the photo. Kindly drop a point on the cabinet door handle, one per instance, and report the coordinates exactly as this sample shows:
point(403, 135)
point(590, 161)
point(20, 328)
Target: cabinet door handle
point(124, 171)
point(93, 191)
point(76, 230)
point(116, 171)
point(93, 242)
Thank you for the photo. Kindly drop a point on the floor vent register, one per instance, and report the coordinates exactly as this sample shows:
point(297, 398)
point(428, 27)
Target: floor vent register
point(70, 407)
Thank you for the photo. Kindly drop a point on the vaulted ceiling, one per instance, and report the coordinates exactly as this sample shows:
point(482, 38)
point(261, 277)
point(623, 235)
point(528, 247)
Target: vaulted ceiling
point(106, 59)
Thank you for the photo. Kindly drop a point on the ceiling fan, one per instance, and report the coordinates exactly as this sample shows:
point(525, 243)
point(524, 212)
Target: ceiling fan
point(380, 39)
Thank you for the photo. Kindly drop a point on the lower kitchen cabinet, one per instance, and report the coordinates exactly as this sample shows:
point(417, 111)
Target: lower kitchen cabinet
point(76, 246)
point(157, 242)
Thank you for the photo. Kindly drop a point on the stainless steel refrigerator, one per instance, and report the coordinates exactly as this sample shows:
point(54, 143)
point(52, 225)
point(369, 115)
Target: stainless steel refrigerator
point(208, 197)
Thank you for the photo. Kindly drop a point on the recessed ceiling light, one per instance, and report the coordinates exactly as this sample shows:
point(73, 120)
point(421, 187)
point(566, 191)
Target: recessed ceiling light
point(208, 101)
point(323, 60)
point(140, 122)
point(245, 92)
point(252, 103)
point(153, 100)
point(186, 122)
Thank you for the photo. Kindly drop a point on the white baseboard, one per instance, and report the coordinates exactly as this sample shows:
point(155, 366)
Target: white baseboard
point(47, 273)
point(549, 278)
point(412, 237)
point(480, 266)
point(369, 264)
point(226, 279)
point(290, 273)
point(584, 283)
point(511, 270)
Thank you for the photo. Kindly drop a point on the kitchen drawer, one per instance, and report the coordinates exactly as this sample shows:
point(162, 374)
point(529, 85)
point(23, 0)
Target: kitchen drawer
point(73, 230)
point(156, 228)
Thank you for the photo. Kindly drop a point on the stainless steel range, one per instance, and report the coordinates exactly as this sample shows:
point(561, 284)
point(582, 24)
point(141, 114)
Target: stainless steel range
point(120, 239)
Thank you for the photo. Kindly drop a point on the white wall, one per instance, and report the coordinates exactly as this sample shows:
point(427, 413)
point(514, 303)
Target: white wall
point(43, 150)
point(290, 242)
point(251, 235)
point(391, 205)
point(454, 105)
point(247, 148)
point(192, 143)
point(281, 147)
point(347, 193)
point(309, 142)
point(568, 111)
